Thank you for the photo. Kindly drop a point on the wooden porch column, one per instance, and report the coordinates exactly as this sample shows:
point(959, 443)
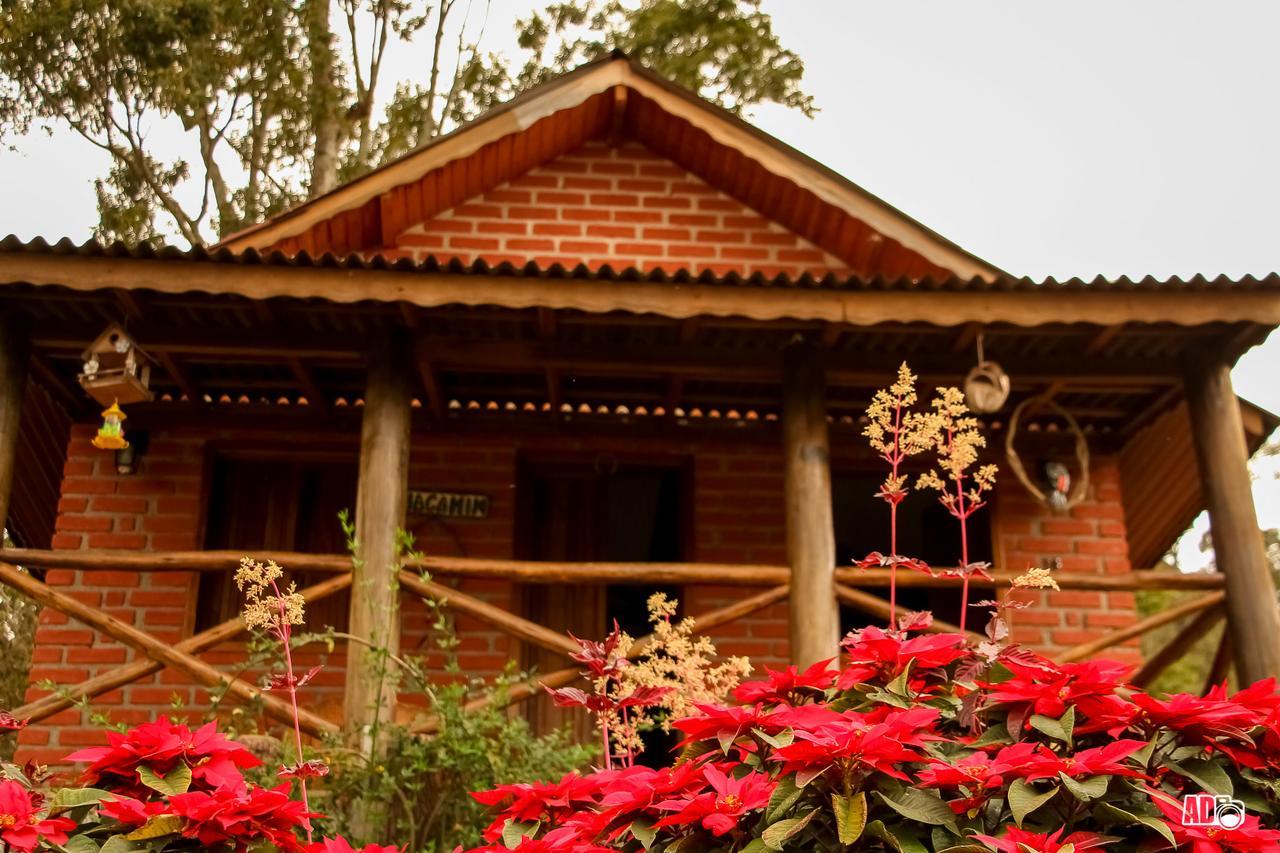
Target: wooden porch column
point(811, 550)
point(13, 382)
point(381, 497)
point(1253, 617)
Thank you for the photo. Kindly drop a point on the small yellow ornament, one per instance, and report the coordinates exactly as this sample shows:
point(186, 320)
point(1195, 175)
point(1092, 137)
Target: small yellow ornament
point(111, 434)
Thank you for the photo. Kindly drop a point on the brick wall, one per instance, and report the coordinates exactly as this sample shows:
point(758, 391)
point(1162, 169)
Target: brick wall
point(737, 518)
point(622, 206)
point(1090, 539)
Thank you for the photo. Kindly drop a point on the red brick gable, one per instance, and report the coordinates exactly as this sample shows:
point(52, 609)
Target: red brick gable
point(624, 206)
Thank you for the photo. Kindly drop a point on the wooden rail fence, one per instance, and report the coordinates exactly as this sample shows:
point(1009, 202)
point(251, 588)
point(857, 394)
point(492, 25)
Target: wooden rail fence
point(850, 589)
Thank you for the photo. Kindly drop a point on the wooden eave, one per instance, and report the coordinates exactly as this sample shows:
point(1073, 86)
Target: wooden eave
point(858, 302)
point(600, 100)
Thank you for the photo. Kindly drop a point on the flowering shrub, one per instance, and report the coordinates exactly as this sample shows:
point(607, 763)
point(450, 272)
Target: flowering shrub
point(925, 742)
point(916, 741)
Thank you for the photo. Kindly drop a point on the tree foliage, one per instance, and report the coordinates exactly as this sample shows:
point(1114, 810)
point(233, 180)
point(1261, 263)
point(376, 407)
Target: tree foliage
point(280, 99)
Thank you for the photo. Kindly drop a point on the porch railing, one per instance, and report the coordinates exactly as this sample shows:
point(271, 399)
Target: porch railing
point(772, 581)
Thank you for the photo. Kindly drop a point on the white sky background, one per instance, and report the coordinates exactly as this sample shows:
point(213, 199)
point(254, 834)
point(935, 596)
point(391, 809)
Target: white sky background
point(1078, 139)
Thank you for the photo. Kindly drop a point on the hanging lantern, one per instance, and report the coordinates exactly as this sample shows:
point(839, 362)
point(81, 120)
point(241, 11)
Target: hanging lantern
point(115, 370)
point(986, 388)
point(111, 434)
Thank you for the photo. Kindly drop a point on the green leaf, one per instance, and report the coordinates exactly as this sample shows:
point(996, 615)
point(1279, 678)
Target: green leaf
point(851, 816)
point(776, 835)
point(757, 845)
point(81, 844)
point(804, 777)
point(1024, 799)
point(176, 781)
point(726, 740)
point(121, 844)
point(784, 797)
point(915, 804)
point(1118, 815)
point(899, 839)
point(157, 826)
point(514, 830)
point(781, 739)
point(1206, 773)
point(644, 832)
point(70, 798)
point(1086, 790)
point(993, 736)
point(1143, 756)
point(1057, 729)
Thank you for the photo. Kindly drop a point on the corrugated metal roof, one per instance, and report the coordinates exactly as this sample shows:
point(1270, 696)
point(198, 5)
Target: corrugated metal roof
point(431, 265)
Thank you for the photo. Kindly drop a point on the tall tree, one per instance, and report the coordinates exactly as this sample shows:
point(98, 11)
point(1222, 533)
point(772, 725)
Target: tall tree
point(276, 100)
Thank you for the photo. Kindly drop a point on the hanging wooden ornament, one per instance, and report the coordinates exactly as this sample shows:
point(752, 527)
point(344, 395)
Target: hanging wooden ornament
point(1064, 492)
point(111, 434)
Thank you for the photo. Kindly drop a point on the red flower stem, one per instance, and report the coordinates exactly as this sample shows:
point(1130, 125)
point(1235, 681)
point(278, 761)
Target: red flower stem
point(894, 460)
point(284, 635)
point(963, 516)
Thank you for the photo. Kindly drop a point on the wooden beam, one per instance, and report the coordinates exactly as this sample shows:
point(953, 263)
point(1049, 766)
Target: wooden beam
point(1176, 648)
point(815, 618)
point(841, 305)
point(381, 499)
point(1103, 339)
point(436, 402)
point(508, 623)
point(13, 384)
point(1253, 617)
point(71, 395)
point(128, 673)
point(550, 572)
point(877, 606)
point(1137, 629)
point(306, 379)
point(179, 376)
point(1220, 669)
point(965, 339)
point(161, 652)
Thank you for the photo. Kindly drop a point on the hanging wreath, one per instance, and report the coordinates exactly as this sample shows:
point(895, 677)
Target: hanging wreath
point(1078, 489)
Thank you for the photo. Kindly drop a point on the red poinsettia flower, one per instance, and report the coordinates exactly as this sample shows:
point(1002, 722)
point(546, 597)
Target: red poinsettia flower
point(549, 801)
point(1201, 718)
point(1017, 840)
point(638, 790)
point(724, 806)
point(1101, 761)
point(10, 723)
point(214, 760)
point(341, 845)
point(727, 723)
point(562, 840)
point(131, 812)
point(874, 654)
point(1248, 837)
point(980, 771)
point(242, 816)
point(789, 686)
point(862, 742)
point(1045, 688)
point(22, 827)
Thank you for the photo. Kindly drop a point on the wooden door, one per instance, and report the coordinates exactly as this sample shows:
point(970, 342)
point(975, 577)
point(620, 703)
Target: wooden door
point(261, 504)
point(579, 512)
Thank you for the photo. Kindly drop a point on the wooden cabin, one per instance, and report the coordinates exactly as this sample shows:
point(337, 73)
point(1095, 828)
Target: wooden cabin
point(606, 339)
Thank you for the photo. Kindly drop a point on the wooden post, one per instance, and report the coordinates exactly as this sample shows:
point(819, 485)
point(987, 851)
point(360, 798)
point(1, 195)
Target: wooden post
point(13, 383)
point(811, 550)
point(1253, 617)
point(381, 497)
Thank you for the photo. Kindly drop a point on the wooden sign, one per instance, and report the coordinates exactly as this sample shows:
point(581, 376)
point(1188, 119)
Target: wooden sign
point(448, 504)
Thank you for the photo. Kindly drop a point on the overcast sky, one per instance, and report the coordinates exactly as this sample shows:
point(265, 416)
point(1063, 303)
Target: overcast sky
point(1068, 139)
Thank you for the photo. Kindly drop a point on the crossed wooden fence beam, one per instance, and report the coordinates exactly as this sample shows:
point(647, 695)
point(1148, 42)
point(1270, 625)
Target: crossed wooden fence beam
point(182, 656)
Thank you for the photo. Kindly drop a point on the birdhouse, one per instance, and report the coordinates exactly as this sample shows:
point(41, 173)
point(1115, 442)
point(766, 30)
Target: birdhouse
point(115, 370)
point(111, 434)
